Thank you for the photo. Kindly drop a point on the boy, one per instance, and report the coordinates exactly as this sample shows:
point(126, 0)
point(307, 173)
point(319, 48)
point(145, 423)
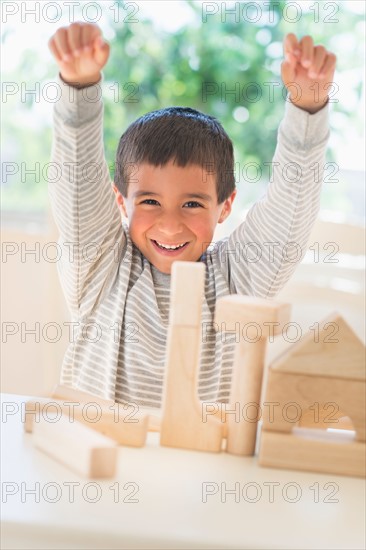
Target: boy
point(174, 182)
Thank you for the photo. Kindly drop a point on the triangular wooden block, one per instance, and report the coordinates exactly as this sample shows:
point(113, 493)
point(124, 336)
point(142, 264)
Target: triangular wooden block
point(334, 350)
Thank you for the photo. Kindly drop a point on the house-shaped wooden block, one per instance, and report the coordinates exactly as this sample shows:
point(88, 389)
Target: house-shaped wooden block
point(313, 386)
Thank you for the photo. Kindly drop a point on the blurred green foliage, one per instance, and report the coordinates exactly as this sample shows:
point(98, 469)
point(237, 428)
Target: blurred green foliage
point(215, 68)
point(151, 68)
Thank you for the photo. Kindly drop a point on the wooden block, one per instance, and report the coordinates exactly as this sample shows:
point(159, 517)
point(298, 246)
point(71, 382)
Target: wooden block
point(154, 423)
point(114, 422)
point(264, 318)
point(182, 424)
point(318, 418)
point(83, 450)
point(124, 428)
point(317, 373)
point(334, 351)
point(68, 393)
point(269, 315)
point(32, 411)
point(319, 382)
point(245, 389)
point(311, 454)
point(186, 294)
point(292, 396)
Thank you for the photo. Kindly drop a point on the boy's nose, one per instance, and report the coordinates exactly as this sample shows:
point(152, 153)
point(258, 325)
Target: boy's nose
point(170, 225)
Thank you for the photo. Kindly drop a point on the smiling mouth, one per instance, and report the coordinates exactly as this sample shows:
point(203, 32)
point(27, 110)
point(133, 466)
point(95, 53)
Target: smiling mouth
point(170, 249)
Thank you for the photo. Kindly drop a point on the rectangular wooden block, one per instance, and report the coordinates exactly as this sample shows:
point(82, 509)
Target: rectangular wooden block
point(119, 424)
point(182, 424)
point(258, 318)
point(71, 394)
point(83, 450)
point(294, 452)
point(267, 315)
point(186, 294)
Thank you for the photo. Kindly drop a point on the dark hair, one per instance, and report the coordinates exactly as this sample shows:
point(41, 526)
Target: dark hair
point(183, 135)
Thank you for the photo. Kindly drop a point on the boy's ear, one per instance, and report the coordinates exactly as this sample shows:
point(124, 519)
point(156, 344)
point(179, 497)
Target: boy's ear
point(226, 208)
point(120, 200)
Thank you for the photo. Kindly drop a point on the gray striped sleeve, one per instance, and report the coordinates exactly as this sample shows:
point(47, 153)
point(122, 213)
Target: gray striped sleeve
point(262, 252)
point(82, 200)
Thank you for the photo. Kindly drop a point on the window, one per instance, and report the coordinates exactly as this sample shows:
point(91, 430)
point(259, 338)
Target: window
point(179, 53)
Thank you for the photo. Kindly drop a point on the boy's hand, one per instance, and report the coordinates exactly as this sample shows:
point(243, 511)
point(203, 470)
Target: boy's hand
point(80, 53)
point(310, 70)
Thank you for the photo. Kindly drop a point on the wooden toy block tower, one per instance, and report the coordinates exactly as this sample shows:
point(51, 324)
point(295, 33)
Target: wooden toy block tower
point(321, 376)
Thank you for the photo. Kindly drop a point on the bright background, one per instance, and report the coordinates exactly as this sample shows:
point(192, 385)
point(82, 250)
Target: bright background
point(168, 50)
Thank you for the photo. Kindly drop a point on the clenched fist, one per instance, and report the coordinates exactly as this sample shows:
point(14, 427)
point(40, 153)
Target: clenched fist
point(309, 69)
point(80, 53)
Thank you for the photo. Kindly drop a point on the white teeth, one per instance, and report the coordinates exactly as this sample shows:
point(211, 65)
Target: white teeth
point(167, 246)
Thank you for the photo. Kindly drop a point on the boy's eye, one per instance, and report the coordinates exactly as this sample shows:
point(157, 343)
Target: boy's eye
point(149, 201)
point(194, 204)
point(153, 202)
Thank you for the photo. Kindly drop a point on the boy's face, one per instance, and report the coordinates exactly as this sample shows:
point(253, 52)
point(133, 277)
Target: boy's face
point(172, 206)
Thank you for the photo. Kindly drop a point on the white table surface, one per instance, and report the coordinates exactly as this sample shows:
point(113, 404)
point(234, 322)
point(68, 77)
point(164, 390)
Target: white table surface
point(169, 511)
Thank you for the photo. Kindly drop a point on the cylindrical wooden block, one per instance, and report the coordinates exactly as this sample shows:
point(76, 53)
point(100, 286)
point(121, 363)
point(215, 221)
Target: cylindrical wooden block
point(245, 389)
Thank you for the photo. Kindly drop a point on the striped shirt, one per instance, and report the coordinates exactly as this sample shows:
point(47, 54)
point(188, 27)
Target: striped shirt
point(119, 302)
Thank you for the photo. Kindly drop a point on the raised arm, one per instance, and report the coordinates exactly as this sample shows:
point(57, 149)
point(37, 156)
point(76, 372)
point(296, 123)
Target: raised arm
point(262, 253)
point(80, 192)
